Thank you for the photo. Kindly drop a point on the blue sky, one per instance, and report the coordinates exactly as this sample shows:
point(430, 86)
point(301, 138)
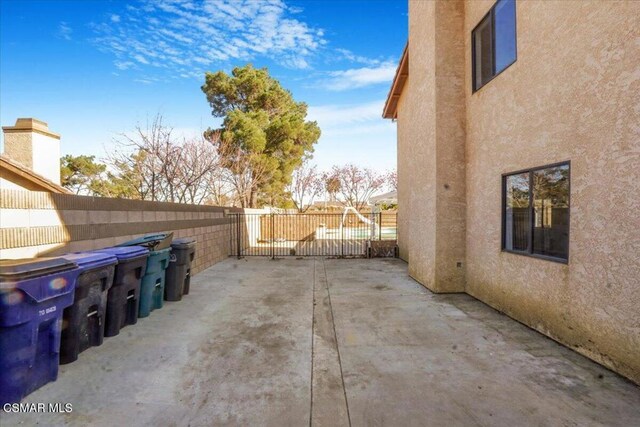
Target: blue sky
point(93, 69)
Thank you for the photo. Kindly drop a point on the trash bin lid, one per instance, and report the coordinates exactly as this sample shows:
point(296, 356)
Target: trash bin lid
point(88, 260)
point(15, 270)
point(184, 243)
point(125, 253)
point(151, 241)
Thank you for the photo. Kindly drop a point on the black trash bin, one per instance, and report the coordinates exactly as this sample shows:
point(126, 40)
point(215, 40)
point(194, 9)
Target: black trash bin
point(179, 272)
point(124, 295)
point(83, 322)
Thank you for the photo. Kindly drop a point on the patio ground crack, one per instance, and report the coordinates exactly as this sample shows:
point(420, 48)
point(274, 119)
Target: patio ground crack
point(329, 405)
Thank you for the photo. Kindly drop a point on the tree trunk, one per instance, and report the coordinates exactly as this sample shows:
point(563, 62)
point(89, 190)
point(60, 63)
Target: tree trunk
point(253, 203)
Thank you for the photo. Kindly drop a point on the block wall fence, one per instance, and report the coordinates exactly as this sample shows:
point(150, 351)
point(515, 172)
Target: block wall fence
point(38, 224)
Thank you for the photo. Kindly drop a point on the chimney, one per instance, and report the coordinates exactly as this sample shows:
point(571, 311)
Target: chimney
point(31, 143)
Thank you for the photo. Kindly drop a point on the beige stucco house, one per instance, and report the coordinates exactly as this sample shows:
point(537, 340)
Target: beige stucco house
point(519, 164)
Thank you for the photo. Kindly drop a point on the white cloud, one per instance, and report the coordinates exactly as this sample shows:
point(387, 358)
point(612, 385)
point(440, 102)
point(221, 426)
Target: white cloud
point(123, 65)
point(143, 81)
point(354, 132)
point(141, 59)
point(360, 77)
point(296, 63)
point(350, 56)
point(338, 115)
point(64, 31)
point(184, 37)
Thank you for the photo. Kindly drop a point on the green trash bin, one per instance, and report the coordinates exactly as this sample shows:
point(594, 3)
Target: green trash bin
point(153, 242)
point(153, 282)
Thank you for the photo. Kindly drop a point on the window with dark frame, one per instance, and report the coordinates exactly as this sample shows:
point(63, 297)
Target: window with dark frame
point(535, 212)
point(493, 43)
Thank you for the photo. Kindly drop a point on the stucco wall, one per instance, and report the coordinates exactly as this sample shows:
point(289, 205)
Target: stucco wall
point(404, 155)
point(416, 121)
point(450, 146)
point(12, 181)
point(431, 176)
point(571, 95)
point(45, 152)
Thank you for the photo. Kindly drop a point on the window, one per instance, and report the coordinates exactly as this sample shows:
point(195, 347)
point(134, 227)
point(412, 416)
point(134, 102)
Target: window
point(535, 212)
point(493, 43)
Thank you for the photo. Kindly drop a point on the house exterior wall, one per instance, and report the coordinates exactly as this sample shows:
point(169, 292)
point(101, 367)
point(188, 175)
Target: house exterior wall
point(450, 146)
point(404, 155)
point(431, 175)
point(416, 121)
point(12, 181)
point(572, 94)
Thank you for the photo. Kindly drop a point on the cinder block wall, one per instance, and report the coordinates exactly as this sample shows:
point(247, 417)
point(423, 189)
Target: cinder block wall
point(36, 224)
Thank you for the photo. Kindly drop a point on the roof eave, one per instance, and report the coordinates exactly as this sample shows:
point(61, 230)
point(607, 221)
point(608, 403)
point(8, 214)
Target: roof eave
point(402, 73)
point(18, 169)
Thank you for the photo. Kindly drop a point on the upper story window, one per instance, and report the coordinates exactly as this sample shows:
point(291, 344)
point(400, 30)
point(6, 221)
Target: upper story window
point(493, 43)
point(535, 212)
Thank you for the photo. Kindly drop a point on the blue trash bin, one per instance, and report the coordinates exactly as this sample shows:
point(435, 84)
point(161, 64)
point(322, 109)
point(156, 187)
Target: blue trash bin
point(124, 296)
point(83, 322)
point(33, 295)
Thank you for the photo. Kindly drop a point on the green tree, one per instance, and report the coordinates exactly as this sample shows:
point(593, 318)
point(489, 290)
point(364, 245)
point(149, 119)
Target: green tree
point(125, 183)
point(81, 174)
point(264, 136)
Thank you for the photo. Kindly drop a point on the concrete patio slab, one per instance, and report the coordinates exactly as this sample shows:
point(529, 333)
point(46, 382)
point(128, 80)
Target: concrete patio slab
point(330, 342)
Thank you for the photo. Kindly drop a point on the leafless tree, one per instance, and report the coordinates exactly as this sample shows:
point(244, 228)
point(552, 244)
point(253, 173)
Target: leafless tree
point(392, 180)
point(243, 174)
point(198, 169)
point(306, 184)
point(357, 185)
point(162, 167)
point(331, 184)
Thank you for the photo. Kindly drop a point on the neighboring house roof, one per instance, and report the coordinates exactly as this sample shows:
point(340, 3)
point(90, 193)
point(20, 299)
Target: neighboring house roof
point(27, 178)
point(402, 73)
point(390, 197)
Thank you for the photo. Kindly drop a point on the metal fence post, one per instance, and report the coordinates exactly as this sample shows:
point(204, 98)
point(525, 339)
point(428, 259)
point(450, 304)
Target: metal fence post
point(273, 233)
point(238, 236)
point(341, 239)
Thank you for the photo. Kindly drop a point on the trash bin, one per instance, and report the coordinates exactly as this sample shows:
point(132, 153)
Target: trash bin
point(152, 285)
point(33, 295)
point(179, 272)
point(153, 282)
point(124, 296)
point(83, 322)
point(153, 242)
